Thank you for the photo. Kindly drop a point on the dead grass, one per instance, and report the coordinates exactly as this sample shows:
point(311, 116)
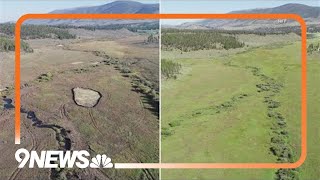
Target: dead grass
point(119, 125)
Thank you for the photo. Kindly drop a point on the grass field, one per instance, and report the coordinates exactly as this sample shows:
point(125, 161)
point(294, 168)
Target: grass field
point(309, 170)
point(218, 110)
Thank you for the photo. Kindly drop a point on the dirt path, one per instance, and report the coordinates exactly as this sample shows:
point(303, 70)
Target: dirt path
point(63, 112)
point(93, 121)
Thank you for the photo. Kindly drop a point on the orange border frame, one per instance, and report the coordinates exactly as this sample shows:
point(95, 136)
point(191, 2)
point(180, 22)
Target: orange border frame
point(180, 16)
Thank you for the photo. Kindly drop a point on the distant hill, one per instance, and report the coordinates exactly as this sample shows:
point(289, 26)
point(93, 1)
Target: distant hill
point(309, 13)
point(116, 7)
point(291, 8)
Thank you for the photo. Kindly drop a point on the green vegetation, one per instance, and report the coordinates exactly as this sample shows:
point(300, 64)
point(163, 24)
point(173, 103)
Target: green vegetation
point(280, 144)
point(7, 44)
point(309, 170)
point(243, 107)
point(313, 47)
point(138, 82)
point(45, 77)
point(136, 27)
point(170, 69)
point(80, 70)
point(36, 31)
point(153, 38)
point(193, 40)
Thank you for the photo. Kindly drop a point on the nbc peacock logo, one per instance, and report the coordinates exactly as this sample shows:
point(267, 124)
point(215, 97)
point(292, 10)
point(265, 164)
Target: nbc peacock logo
point(101, 161)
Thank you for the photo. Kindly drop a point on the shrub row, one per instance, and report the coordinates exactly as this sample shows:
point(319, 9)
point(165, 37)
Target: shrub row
point(230, 103)
point(313, 47)
point(257, 72)
point(269, 86)
point(152, 38)
point(7, 44)
point(80, 70)
point(228, 63)
point(287, 174)
point(170, 69)
point(168, 131)
point(45, 77)
point(221, 107)
point(279, 145)
point(269, 83)
point(138, 83)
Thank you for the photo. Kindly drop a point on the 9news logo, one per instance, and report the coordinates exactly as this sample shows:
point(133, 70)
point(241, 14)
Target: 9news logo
point(61, 159)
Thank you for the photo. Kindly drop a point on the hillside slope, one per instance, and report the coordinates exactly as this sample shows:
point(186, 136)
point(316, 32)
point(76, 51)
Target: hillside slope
point(116, 7)
point(309, 13)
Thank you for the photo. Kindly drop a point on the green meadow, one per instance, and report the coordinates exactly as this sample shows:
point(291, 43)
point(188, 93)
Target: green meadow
point(240, 108)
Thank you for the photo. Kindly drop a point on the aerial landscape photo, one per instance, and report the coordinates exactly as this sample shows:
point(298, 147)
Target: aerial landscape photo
point(231, 90)
point(85, 85)
point(146, 92)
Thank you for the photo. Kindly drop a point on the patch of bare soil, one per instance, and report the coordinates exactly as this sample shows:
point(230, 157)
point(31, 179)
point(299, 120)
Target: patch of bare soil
point(86, 97)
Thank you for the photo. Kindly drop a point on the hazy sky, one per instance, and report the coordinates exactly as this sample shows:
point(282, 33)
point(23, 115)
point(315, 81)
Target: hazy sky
point(11, 10)
point(224, 6)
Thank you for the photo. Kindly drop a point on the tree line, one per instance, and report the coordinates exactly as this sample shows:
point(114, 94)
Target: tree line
point(36, 31)
point(153, 38)
point(134, 27)
point(192, 40)
point(7, 44)
point(313, 48)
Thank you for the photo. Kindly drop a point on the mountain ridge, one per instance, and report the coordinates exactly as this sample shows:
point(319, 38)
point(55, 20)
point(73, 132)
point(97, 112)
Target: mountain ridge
point(115, 7)
point(310, 13)
point(122, 6)
point(303, 10)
